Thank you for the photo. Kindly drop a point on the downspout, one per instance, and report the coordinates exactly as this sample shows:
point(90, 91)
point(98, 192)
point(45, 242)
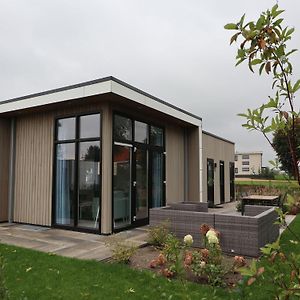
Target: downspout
point(186, 166)
point(11, 179)
point(200, 163)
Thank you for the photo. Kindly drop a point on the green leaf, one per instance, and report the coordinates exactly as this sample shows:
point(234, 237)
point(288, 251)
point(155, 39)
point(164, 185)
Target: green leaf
point(256, 61)
point(239, 61)
point(260, 22)
point(261, 68)
point(230, 26)
point(274, 8)
point(234, 37)
point(296, 86)
point(290, 31)
point(242, 20)
point(277, 13)
point(278, 22)
point(294, 50)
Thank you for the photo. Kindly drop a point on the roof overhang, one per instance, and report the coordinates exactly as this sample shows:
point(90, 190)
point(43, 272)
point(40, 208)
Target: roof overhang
point(98, 87)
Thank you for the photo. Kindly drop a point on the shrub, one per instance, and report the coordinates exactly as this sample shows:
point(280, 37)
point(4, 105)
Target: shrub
point(157, 235)
point(122, 251)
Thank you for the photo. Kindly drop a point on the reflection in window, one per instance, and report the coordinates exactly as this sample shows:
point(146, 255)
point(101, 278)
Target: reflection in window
point(89, 184)
point(157, 179)
point(140, 132)
point(65, 165)
point(90, 126)
point(156, 136)
point(66, 129)
point(122, 128)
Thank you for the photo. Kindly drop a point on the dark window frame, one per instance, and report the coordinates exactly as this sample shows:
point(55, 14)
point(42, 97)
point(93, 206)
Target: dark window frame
point(150, 147)
point(77, 142)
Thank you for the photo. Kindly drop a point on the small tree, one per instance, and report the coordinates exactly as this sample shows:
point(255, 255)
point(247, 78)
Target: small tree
point(280, 144)
point(264, 44)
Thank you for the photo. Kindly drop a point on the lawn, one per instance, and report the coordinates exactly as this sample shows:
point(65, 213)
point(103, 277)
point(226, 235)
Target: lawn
point(36, 275)
point(277, 184)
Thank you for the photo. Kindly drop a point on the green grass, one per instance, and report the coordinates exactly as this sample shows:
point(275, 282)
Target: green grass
point(35, 275)
point(278, 184)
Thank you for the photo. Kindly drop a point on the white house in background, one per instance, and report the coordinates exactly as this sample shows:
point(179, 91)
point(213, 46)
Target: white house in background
point(247, 163)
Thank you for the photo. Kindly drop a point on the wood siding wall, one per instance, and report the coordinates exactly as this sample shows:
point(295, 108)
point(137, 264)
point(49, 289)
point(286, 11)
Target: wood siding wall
point(174, 164)
point(4, 167)
point(218, 150)
point(193, 165)
point(34, 163)
point(33, 169)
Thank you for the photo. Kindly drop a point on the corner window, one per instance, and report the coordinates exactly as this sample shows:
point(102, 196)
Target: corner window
point(236, 158)
point(65, 129)
point(122, 128)
point(156, 136)
point(140, 132)
point(89, 126)
point(77, 172)
point(236, 170)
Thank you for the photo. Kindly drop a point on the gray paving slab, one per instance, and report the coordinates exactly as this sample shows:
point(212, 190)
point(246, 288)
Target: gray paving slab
point(64, 242)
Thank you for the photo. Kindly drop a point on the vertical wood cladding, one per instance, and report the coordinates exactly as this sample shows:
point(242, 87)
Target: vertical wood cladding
point(4, 167)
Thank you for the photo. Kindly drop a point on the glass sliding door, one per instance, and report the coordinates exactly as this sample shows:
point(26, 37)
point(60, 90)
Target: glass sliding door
point(77, 172)
point(89, 184)
point(157, 172)
point(138, 171)
point(141, 184)
point(122, 186)
point(65, 184)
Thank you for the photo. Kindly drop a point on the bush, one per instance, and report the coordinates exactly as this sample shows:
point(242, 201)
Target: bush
point(157, 235)
point(122, 251)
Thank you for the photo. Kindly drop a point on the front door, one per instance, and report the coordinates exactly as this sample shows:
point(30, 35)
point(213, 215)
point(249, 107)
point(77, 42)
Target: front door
point(130, 186)
point(231, 176)
point(140, 185)
point(222, 184)
point(210, 182)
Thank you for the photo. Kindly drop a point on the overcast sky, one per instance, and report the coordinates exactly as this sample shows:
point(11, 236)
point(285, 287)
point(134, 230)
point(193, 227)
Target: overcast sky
point(175, 50)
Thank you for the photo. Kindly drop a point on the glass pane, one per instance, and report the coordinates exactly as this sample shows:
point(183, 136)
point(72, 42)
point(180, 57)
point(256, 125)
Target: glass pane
point(122, 186)
point(65, 129)
point(140, 132)
point(122, 128)
point(141, 184)
point(157, 179)
point(64, 192)
point(89, 184)
point(157, 136)
point(90, 126)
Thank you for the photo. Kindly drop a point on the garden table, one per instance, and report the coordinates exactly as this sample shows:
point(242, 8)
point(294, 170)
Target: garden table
point(259, 200)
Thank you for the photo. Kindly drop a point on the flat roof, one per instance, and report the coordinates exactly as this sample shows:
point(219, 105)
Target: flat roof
point(217, 137)
point(250, 152)
point(104, 85)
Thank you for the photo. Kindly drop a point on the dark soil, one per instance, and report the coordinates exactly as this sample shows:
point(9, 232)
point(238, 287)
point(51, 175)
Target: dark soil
point(143, 257)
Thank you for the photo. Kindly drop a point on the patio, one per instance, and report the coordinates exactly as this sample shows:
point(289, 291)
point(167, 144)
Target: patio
point(65, 242)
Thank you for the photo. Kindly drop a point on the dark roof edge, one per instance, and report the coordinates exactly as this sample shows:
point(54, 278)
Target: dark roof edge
point(217, 137)
point(82, 84)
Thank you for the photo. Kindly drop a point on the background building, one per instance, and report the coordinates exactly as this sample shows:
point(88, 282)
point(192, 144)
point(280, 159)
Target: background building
point(247, 163)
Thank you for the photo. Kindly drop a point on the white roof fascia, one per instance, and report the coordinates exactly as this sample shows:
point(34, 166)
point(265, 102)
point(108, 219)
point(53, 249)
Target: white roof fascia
point(93, 89)
point(57, 97)
point(137, 97)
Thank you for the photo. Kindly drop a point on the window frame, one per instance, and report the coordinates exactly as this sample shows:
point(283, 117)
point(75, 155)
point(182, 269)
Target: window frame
point(77, 142)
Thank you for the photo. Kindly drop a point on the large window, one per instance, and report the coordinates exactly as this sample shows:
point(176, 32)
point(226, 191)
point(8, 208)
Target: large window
point(77, 172)
point(138, 170)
